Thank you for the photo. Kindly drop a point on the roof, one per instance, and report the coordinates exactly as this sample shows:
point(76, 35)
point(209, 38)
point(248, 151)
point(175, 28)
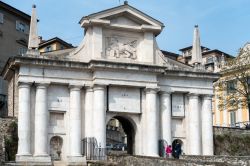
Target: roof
point(190, 47)
point(14, 11)
point(125, 5)
point(170, 54)
point(217, 51)
point(55, 39)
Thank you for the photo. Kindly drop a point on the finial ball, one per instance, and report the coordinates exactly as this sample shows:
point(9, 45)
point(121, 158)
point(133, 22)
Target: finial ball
point(33, 6)
point(125, 2)
point(196, 26)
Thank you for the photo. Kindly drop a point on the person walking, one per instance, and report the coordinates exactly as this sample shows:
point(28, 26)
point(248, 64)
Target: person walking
point(169, 150)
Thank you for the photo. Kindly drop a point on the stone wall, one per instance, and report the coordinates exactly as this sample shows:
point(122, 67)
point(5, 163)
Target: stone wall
point(4, 131)
point(126, 160)
point(231, 141)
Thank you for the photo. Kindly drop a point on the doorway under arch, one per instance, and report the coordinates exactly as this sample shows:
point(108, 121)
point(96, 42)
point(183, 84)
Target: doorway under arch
point(56, 143)
point(120, 135)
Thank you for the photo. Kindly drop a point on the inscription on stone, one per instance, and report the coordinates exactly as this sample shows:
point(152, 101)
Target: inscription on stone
point(178, 105)
point(122, 99)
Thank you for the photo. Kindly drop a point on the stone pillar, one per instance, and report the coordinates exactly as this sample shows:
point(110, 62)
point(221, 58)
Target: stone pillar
point(152, 125)
point(207, 126)
point(99, 114)
point(88, 108)
point(41, 121)
point(216, 107)
point(165, 101)
point(23, 121)
point(225, 112)
point(194, 125)
point(75, 121)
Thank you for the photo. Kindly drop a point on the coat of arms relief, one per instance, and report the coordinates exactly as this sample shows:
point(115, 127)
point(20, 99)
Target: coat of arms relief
point(121, 47)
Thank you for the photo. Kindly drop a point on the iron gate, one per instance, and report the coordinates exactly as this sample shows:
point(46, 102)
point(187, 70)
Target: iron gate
point(92, 151)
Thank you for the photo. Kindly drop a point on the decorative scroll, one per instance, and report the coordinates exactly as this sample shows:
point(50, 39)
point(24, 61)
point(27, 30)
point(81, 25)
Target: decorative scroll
point(121, 47)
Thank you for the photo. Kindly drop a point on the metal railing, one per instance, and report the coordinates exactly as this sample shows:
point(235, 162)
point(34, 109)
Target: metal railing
point(92, 151)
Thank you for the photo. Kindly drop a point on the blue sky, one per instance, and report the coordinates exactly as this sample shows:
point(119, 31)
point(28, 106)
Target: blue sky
point(224, 24)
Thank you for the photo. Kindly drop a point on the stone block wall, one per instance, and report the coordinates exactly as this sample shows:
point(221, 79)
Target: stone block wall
point(231, 141)
point(4, 131)
point(126, 160)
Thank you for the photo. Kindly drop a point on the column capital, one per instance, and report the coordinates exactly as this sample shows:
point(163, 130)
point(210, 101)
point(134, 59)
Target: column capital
point(24, 84)
point(207, 96)
point(75, 87)
point(99, 87)
point(152, 89)
point(42, 84)
point(165, 92)
point(193, 95)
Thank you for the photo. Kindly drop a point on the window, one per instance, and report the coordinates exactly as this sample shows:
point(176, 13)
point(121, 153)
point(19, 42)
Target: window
point(1, 18)
point(22, 51)
point(210, 60)
point(231, 86)
point(62, 47)
point(22, 27)
point(232, 118)
point(48, 48)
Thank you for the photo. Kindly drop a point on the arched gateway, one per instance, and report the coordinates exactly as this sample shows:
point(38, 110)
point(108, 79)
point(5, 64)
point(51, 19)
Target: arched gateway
point(119, 72)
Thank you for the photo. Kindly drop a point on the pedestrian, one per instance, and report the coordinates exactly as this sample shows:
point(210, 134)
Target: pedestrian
point(169, 151)
point(177, 150)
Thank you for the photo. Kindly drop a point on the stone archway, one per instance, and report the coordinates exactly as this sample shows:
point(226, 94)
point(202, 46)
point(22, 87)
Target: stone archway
point(128, 143)
point(56, 143)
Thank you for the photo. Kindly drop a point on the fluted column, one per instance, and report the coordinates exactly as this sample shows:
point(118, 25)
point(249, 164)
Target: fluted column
point(152, 126)
point(24, 120)
point(99, 113)
point(207, 126)
point(88, 107)
point(165, 105)
point(194, 125)
point(75, 121)
point(41, 121)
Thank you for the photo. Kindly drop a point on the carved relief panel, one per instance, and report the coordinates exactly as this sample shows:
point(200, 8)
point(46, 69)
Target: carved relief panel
point(121, 47)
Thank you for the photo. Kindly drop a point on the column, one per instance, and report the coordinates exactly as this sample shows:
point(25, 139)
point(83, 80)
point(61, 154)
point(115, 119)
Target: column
point(165, 101)
point(24, 120)
point(99, 114)
point(194, 125)
point(207, 126)
point(152, 126)
point(225, 117)
point(41, 121)
point(75, 121)
point(88, 107)
point(216, 107)
point(239, 113)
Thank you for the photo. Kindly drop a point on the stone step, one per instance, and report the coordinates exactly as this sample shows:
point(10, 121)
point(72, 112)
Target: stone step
point(59, 163)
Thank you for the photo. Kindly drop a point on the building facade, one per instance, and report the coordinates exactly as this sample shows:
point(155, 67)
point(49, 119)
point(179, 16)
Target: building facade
point(230, 108)
point(118, 72)
point(14, 34)
point(53, 44)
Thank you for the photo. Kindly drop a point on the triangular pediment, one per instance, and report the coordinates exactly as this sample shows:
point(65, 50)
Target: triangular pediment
point(127, 14)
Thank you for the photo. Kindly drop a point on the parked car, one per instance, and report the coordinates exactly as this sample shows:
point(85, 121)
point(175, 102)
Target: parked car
point(120, 146)
point(109, 146)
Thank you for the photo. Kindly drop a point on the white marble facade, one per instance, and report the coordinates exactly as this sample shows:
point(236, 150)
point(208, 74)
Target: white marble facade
point(118, 69)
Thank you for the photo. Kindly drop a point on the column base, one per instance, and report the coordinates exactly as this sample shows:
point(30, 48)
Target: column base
point(44, 160)
point(76, 160)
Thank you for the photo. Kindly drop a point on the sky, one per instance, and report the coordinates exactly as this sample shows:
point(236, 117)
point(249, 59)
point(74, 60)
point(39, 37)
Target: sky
point(223, 24)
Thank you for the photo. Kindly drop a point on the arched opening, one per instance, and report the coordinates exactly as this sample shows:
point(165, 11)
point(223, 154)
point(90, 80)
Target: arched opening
point(177, 148)
point(120, 135)
point(56, 143)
